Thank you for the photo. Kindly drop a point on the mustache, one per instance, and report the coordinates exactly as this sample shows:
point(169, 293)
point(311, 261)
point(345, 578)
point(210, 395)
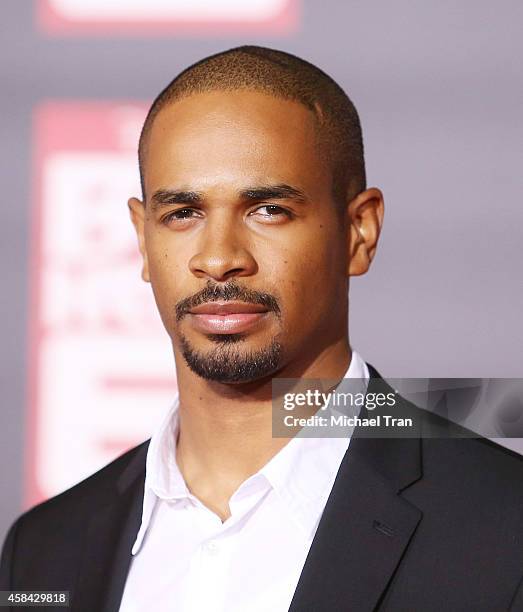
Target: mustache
point(231, 290)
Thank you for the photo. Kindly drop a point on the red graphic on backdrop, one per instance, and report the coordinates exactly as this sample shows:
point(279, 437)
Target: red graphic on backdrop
point(184, 17)
point(101, 368)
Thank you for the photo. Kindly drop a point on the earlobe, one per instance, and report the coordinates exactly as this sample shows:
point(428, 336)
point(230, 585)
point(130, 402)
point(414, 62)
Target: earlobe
point(137, 213)
point(365, 216)
point(145, 270)
point(359, 260)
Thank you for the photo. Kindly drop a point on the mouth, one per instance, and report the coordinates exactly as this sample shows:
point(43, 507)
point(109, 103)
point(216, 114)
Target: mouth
point(227, 317)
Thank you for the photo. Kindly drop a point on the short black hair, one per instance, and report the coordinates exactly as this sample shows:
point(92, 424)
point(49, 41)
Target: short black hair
point(286, 76)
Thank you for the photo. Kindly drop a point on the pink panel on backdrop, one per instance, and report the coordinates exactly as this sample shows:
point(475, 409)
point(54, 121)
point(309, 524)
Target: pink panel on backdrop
point(71, 17)
point(101, 368)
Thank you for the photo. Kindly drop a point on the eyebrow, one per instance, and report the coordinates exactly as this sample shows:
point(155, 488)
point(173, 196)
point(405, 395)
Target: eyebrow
point(274, 192)
point(166, 197)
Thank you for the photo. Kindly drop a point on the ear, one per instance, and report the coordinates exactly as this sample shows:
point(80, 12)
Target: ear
point(365, 218)
point(137, 212)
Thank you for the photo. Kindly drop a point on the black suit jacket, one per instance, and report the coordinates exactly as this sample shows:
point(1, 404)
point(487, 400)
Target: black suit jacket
point(411, 524)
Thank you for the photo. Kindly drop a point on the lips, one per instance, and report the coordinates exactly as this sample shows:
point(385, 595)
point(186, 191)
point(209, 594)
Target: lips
point(226, 308)
point(227, 317)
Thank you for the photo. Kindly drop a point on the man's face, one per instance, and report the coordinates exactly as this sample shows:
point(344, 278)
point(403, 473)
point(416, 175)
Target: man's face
point(242, 241)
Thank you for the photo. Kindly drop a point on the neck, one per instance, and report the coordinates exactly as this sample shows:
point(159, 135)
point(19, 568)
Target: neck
point(225, 432)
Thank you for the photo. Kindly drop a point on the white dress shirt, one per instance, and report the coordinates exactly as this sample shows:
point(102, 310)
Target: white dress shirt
point(186, 560)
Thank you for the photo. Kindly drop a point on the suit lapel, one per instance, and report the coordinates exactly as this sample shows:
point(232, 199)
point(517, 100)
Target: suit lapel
point(110, 535)
point(365, 528)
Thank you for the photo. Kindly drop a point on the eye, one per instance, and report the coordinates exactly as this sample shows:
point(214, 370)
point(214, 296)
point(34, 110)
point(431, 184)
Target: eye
point(180, 215)
point(272, 213)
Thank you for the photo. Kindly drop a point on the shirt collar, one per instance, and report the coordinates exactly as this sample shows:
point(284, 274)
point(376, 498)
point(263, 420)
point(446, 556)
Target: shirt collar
point(301, 473)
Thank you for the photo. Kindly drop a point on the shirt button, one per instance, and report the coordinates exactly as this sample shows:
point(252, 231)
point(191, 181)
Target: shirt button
point(212, 548)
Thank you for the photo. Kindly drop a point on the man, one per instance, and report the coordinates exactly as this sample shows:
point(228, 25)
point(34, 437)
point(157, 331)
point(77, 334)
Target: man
point(254, 215)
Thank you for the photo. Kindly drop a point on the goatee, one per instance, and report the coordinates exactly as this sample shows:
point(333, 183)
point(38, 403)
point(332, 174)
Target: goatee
point(226, 364)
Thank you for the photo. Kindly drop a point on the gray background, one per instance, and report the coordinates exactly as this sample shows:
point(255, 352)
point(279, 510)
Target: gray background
point(440, 91)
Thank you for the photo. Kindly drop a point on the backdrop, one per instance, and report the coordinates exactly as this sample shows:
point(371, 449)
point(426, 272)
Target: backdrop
point(86, 367)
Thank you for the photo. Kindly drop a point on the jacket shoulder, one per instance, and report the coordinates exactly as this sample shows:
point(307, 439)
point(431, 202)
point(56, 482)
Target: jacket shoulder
point(58, 528)
point(93, 490)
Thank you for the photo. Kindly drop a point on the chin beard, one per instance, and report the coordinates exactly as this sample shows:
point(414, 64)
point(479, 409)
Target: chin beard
point(227, 364)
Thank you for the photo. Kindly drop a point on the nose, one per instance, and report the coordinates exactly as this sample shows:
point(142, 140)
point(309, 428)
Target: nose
point(222, 252)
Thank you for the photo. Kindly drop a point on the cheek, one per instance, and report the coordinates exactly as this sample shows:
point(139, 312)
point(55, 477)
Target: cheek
point(166, 275)
point(161, 266)
point(163, 258)
point(308, 276)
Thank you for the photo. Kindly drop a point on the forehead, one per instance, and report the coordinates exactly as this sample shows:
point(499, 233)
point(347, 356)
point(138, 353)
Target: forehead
point(233, 136)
